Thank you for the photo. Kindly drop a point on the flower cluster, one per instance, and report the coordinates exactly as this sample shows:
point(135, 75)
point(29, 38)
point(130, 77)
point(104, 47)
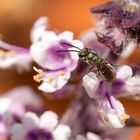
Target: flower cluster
point(121, 26)
point(88, 67)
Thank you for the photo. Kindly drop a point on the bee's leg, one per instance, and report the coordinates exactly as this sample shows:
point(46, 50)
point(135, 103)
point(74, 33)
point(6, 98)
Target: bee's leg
point(111, 64)
point(98, 73)
point(91, 68)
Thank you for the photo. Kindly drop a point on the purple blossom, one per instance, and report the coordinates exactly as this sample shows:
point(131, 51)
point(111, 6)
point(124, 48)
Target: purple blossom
point(14, 106)
point(110, 109)
point(117, 15)
point(58, 65)
point(121, 26)
point(44, 127)
point(90, 40)
point(44, 51)
point(89, 136)
point(11, 55)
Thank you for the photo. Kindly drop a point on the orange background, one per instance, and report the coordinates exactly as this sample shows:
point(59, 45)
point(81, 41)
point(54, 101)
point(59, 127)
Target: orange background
point(16, 19)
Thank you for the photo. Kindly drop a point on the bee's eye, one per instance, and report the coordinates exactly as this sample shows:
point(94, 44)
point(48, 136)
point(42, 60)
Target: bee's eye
point(81, 54)
point(90, 56)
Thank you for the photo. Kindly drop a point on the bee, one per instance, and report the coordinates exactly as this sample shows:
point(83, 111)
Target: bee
point(94, 60)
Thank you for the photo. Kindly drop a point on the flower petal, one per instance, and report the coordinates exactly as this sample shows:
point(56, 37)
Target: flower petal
point(18, 132)
point(52, 80)
point(90, 83)
point(48, 120)
point(112, 113)
point(5, 104)
point(133, 87)
point(92, 136)
point(57, 84)
point(38, 29)
point(30, 121)
point(3, 131)
point(17, 61)
point(129, 49)
point(66, 35)
point(62, 132)
point(12, 55)
point(124, 72)
point(45, 52)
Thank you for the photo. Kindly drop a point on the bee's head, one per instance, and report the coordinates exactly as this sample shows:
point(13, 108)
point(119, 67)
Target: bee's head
point(84, 52)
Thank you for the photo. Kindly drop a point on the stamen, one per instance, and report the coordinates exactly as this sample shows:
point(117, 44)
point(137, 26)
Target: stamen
point(61, 73)
point(100, 110)
point(106, 119)
point(37, 77)
point(124, 117)
point(50, 79)
point(11, 53)
point(1, 53)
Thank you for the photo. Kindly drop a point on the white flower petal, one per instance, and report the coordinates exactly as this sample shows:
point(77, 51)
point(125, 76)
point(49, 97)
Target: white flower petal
point(4, 104)
point(16, 60)
point(114, 121)
point(78, 44)
point(62, 132)
point(90, 83)
point(18, 132)
point(48, 120)
point(56, 84)
point(133, 86)
point(88, 36)
point(17, 98)
point(49, 37)
point(67, 35)
point(112, 113)
point(80, 137)
point(3, 130)
point(124, 72)
point(92, 136)
point(30, 120)
point(128, 50)
point(38, 29)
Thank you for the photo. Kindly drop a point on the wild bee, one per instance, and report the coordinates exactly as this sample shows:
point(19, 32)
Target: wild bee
point(94, 60)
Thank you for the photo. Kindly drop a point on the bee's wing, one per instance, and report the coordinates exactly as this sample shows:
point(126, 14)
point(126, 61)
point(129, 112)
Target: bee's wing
point(130, 19)
point(104, 7)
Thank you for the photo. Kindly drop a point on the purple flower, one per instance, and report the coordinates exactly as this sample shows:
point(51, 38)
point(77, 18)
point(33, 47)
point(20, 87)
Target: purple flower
point(46, 51)
point(38, 29)
point(11, 55)
point(89, 136)
point(90, 40)
point(52, 80)
point(14, 105)
point(121, 26)
point(117, 15)
point(110, 109)
point(34, 128)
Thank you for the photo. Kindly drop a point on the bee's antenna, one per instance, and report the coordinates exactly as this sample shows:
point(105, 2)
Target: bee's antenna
point(68, 51)
point(64, 43)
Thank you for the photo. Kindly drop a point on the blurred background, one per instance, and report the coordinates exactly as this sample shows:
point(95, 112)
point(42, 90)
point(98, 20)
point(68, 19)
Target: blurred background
point(16, 20)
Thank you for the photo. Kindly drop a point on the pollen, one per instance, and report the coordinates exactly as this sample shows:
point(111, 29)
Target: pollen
point(38, 77)
point(50, 79)
point(61, 73)
point(11, 53)
point(106, 119)
point(124, 117)
point(100, 110)
point(1, 53)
